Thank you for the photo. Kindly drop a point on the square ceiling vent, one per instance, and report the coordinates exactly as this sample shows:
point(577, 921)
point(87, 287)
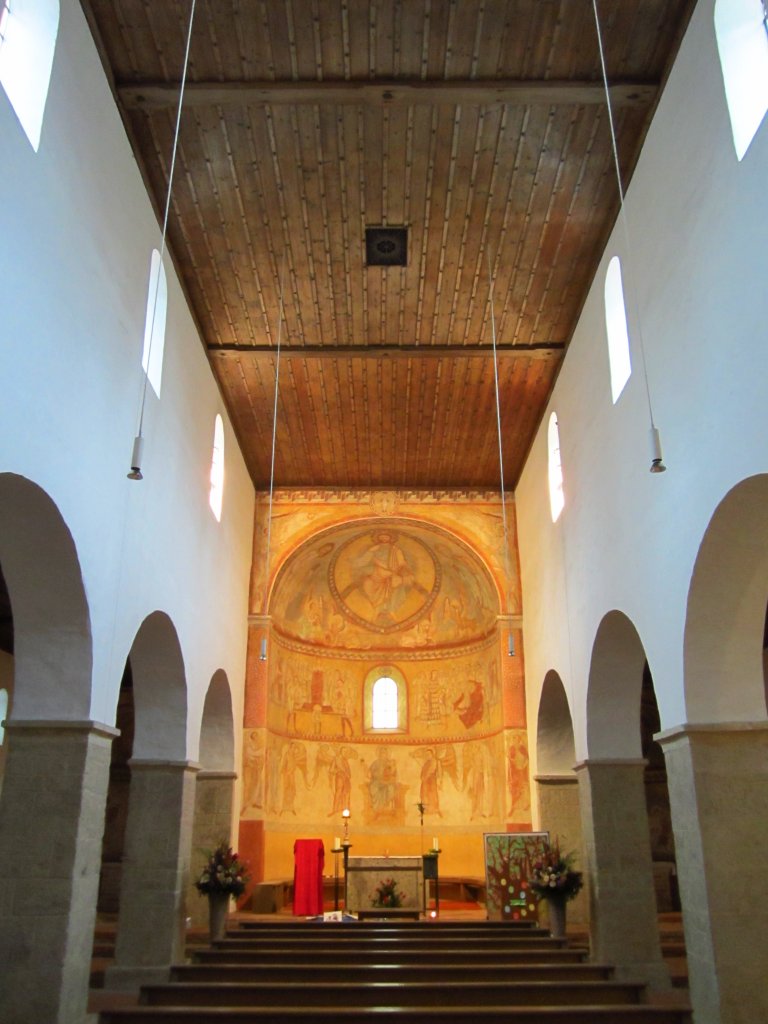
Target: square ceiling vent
point(386, 247)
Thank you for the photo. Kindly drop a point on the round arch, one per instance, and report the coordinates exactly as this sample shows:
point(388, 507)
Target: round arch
point(555, 748)
point(159, 691)
point(726, 610)
point(614, 689)
point(217, 728)
point(314, 537)
point(51, 620)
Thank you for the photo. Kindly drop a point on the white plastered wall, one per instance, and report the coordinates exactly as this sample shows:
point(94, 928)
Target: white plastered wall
point(76, 234)
point(628, 540)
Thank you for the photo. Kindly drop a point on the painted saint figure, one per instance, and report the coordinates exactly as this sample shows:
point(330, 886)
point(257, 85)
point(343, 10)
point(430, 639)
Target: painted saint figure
point(382, 782)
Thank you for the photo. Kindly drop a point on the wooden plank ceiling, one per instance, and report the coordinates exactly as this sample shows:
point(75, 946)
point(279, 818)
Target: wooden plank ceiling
point(480, 125)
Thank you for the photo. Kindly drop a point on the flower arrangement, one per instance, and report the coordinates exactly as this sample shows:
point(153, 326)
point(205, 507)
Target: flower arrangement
point(387, 895)
point(553, 876)
point(223, 873)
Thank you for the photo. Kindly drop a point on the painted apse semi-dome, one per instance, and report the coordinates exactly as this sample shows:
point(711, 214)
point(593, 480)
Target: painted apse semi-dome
point(391, 599)
point(384, 586)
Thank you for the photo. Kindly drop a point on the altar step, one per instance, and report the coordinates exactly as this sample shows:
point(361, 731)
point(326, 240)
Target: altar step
point(419, 974)
point(365, 995)
point(311, 971)
point(481, 1014)
point(237, 952)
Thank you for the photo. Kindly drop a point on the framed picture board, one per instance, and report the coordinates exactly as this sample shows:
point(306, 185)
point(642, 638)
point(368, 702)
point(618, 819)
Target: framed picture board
point(509, 857)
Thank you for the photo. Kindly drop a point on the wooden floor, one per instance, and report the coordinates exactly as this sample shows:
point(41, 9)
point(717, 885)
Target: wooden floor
point(459, 968)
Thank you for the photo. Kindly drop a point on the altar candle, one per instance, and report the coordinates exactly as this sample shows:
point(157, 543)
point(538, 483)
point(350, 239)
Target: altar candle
point(336, 843)
point(434, 843)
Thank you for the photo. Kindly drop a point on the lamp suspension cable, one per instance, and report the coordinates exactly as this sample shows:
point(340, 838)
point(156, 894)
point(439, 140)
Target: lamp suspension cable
point(263, 646)
point(657, 464)
point(510, 637)
point(138, 441)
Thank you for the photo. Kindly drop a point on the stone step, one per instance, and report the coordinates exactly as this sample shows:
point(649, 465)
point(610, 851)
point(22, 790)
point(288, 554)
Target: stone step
point(383, 994)
point(438, 925)
point(311, 971)
point(351, 943)
point(331, 955)
point(500, 1014)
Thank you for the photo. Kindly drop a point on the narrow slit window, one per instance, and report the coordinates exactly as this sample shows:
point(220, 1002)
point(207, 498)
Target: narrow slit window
point(741, 31)
point(555, 467)
point(3, 713)
point(4, 12)
point(154, 323)
point(616, 329)
point(216, 495)
point(28, 31)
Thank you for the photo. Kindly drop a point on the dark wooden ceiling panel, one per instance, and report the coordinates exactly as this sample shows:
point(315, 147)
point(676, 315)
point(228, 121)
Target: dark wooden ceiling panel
point(479, 125)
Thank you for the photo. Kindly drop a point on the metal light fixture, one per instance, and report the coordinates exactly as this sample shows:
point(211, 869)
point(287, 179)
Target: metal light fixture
point(657, 465)
point(138, 444)
point(136, 456)
point(263, 651)
point(510, 638)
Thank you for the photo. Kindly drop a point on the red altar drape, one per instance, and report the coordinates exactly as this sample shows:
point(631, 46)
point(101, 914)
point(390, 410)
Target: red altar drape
point(309, 857)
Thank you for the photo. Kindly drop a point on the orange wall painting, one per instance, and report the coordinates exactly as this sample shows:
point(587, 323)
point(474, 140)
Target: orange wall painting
point(412, 587)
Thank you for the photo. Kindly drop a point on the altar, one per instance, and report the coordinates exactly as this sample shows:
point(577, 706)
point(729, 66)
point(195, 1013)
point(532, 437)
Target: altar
point(366, 874)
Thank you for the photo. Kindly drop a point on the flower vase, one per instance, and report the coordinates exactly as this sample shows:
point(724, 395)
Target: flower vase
point(556, 908)
point(218, 907)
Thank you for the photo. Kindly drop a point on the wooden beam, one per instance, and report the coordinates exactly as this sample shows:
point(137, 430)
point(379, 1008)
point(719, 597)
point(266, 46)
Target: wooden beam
point(551, 350)
point(492, 92)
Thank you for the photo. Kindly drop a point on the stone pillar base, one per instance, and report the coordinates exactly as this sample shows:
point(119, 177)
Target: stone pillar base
point(624, 928)
point(151, 927)
point(559, 814)
point(718, 787)
point(130, 979)
point(51, 828)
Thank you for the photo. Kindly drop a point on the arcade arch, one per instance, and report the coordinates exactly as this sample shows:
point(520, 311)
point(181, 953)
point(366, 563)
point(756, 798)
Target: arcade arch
point(158, 829)
point(56, 761)
point(613, 806)
point(717, 762)
point(556, 781)
point(214, 789)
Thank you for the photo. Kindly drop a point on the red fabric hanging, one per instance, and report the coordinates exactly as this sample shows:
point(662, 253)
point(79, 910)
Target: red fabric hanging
point(309, 858)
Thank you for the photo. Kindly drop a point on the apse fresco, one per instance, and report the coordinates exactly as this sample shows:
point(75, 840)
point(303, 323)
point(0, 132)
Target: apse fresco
point(416, 598)
point(381, 784)
point(384, 586)
point(456, 695)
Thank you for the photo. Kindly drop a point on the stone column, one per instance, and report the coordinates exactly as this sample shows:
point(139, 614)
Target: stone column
point(51, 828)
point(151, 925)
point(718, 788)
point(560, 815)
point(624, 926)
point(214, 794)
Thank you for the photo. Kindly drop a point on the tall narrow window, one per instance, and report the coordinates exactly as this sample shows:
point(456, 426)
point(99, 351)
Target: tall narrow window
point(154, 323)
point(28, 30)
point(385, 700)
point(4, 12)
point(384, 704)
point(556, 493)
point(216, 496)
point(3, 713)
point(616, 328)
point(741, 30)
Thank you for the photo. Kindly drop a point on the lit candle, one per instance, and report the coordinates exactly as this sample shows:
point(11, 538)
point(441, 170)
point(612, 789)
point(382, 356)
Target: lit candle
point(434, 843)
point(345, 813)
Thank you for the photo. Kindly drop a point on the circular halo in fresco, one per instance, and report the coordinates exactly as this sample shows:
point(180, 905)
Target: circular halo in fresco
point(384, 579)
